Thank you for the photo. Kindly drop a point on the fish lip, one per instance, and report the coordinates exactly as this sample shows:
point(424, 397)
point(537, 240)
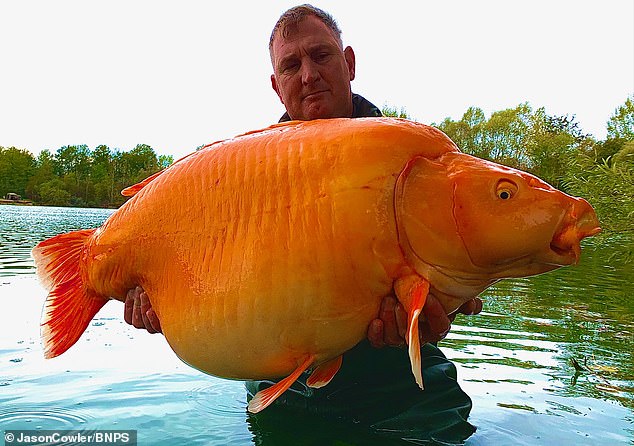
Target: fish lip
point(592, 232)
point(566, 243)
point(580, 221)
point(565, 255)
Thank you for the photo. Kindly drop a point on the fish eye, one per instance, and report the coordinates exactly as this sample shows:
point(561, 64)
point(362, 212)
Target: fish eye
point(505, 189)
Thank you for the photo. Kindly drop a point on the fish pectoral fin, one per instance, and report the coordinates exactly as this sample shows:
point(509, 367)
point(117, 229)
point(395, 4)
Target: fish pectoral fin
point(265, 397)
point(412, 292)
point(413, 340)
point(324, 373)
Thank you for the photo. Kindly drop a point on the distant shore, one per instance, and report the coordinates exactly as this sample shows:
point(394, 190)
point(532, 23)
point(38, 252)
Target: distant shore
point(16, 202)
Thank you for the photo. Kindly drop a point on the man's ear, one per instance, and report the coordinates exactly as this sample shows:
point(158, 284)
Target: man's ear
point(276, 88)
point(348, 53)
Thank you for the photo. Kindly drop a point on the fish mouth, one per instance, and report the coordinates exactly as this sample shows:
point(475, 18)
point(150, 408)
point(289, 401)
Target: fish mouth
point(581, 222)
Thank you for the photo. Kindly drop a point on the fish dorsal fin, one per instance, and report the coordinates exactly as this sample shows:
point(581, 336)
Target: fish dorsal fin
point(133, 190)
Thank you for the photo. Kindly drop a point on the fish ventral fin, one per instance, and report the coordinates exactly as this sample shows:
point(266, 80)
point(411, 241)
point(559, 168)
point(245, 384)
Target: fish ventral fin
point(324, 373)
point(412, 292)
point(265, 397)
point(70, 305)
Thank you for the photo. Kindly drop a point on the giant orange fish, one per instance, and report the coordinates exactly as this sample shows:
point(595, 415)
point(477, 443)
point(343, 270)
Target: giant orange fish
point(270, 253)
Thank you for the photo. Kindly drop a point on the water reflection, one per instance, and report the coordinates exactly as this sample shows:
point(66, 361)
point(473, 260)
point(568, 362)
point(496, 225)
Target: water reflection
point(549, 360)
point(22, 227)
point(547, 343)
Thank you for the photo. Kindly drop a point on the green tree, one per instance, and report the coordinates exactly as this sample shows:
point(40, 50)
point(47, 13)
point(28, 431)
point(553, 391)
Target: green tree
point(605, 150)
point(552, 142)
point(165, 161)
point(393, 112)
point(44, 172)
point(75, 159)
point(135, 165)
point(143, 159)
point(621, 123)
point(103, 176)
point(53, 193)
point(505, 136)
point(501, 138)
point(608, 186)
point(101, 166)
point(16, 167)
point(73, 165)
point(77, 176)
point(468, 133)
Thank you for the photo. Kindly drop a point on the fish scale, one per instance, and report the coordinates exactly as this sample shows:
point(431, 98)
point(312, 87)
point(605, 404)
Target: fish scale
point(266, 231)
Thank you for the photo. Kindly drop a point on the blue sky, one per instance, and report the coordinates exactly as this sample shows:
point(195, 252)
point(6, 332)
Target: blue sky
point(176, 75)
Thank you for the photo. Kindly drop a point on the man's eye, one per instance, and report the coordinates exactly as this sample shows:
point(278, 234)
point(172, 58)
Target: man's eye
point(290, 67)
point(321, 57)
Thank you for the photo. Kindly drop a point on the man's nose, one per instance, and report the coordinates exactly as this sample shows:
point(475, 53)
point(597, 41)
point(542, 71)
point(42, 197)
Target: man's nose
point(310, 72)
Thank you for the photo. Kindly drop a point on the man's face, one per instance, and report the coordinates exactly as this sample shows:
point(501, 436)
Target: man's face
point(312, 73)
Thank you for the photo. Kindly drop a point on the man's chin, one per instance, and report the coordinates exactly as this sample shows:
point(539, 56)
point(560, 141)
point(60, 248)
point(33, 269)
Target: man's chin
point(318, 114)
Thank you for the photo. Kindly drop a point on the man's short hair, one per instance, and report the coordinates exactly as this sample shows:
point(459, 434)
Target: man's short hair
point(292, 17)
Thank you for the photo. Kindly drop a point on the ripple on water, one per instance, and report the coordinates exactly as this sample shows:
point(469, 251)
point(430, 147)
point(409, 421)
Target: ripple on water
point(43, 418)
point(220, 398)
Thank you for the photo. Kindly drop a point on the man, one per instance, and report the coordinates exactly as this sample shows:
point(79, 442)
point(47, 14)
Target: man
point(312, 72)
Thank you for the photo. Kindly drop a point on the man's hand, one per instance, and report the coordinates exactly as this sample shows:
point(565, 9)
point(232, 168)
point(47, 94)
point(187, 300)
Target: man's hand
point(391, 325)
point(138, 311)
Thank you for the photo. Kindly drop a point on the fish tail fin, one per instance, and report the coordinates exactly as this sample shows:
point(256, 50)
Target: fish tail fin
point(70, 305)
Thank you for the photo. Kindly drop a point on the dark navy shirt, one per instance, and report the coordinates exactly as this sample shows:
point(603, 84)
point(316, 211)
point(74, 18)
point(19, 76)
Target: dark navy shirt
point(361, 108)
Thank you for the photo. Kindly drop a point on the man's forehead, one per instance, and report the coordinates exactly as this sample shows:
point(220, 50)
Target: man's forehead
point(310, 31)
point(289, 50)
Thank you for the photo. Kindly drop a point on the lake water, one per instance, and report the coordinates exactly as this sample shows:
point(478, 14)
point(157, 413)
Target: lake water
point(515, 360)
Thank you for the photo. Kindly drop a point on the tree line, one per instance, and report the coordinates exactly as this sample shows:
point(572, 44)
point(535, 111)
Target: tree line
point(557, 150)
point(552, 147)
point(76, 175)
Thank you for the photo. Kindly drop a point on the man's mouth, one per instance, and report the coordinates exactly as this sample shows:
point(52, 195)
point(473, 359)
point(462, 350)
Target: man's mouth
point(314, 94)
